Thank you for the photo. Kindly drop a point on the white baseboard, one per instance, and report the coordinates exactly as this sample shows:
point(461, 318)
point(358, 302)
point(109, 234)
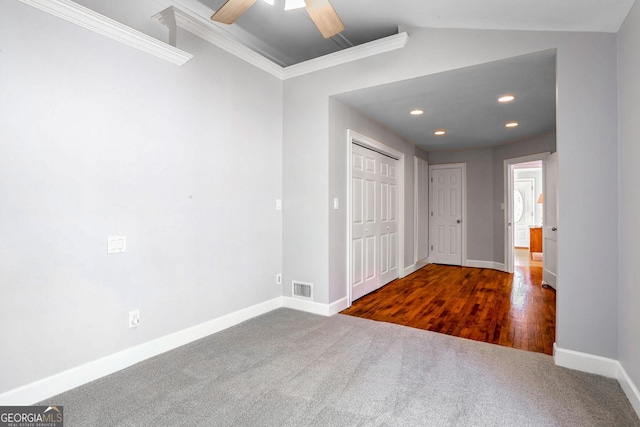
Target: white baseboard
point(74, 377)
point(415, 267)
point(484, 264)
point(315, 307)
point(600, 366)
point(630, 389)
point(585, 362)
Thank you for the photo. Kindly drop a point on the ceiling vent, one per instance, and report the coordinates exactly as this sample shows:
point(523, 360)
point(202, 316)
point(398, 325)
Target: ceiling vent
point(302, 290)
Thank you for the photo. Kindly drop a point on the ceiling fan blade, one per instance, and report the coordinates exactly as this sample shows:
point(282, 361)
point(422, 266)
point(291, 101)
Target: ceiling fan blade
point(231, 10)
point(325, 17)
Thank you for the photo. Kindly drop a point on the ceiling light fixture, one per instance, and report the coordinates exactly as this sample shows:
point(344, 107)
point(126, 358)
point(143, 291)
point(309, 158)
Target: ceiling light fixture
point(506, 98)
point(440, 132)
point(416, 112)
point(294, 4)
point(511, 125)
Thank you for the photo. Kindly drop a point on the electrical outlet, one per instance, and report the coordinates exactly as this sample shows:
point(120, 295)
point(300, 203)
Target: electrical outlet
point(134, 318)
point(278, 279)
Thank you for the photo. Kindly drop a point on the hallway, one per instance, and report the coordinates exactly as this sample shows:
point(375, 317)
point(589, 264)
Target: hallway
point(511, 310)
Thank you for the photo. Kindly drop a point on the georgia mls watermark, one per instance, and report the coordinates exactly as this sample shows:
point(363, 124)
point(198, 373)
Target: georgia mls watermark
point(31, 416)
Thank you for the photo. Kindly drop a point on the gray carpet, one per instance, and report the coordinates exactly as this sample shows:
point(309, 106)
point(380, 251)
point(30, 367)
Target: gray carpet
point(288, 368)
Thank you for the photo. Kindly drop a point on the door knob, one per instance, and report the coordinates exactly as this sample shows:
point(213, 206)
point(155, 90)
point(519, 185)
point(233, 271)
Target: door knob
point(554, 228)
point(458, 221)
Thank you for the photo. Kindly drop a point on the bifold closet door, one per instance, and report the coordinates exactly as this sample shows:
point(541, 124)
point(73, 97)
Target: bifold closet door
point(374, 220)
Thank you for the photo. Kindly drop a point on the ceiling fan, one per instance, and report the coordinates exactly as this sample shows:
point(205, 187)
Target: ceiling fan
point(321, 12)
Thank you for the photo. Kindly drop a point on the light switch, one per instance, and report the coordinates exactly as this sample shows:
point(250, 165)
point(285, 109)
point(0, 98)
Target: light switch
point(116, 244)
point(278, 204)
point(336, 203)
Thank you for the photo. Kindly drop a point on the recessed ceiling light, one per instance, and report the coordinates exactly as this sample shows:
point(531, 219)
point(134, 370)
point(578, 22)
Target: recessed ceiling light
point(440, 132)
point(511, 125)
point(506, 98)
point(416, 112)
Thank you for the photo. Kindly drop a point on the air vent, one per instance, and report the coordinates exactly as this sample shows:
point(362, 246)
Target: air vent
point(302, 290)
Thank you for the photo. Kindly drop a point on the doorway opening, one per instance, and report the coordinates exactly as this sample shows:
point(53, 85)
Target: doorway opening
point(528, 198)
point(524, 207)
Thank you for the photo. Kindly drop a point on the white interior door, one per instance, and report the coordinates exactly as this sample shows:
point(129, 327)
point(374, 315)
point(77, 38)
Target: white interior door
point(550, 221)
point(364, 231)
point(388, 223)
point(446, 215)
point(374, 220)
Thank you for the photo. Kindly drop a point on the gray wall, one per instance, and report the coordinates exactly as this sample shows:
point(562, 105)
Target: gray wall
point(629, 107)
point(101, 139)
point(539, 144)
point(480, 197)
point(342, 118)
point(586, 140)
point(485, 191)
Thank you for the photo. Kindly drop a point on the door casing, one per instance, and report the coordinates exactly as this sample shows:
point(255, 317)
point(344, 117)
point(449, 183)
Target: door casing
point(509, 186)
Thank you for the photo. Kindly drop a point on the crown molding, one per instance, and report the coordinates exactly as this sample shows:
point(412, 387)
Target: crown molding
point(376, 47)
point(91, 20)
point(206, 30)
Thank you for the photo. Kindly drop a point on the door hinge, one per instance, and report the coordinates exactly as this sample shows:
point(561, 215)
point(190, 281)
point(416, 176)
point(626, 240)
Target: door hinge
point(431, 179)
point(431, 247)
point(431, 213)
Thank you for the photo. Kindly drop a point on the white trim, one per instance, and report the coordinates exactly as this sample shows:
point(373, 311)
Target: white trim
point(376, 47)
point(585, 362)
point(600, 366)
point(484, 264)
point(315, 307)
point(79, 375)
point(417, 161)
point(508, 208)
point(415, 267)
point(629, 388)
point(91, 20)
point(354, 137)
point(221, 38)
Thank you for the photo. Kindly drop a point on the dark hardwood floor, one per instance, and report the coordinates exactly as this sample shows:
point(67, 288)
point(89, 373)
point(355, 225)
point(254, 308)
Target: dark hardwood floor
point(512, 310)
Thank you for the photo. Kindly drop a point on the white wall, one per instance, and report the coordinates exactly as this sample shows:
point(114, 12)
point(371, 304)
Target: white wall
point(98, 138)
point(586, 140)
point(629, 110)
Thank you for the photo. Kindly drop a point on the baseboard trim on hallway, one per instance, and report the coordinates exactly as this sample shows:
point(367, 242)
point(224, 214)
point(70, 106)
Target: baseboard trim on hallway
point(79, 375)
point(315, 307)
point(600, 366)
point(484, 264)
point(415, 267)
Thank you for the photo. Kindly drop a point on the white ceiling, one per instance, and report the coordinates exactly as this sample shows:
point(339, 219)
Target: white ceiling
point(462, 101)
